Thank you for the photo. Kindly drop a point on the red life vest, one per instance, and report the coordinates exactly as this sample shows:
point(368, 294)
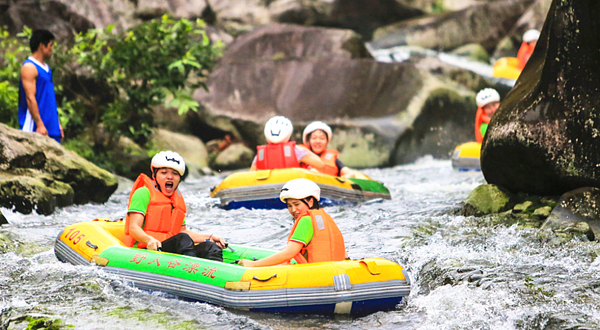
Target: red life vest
point(480, 117)
point(276, 155)
point(524, 54)
point(164, 216)
point(327, 243)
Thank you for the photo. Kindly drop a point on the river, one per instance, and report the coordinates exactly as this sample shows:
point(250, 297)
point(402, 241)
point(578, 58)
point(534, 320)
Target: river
point(467, 272)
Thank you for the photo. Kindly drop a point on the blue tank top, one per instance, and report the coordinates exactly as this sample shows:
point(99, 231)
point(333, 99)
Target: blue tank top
point(46, 100)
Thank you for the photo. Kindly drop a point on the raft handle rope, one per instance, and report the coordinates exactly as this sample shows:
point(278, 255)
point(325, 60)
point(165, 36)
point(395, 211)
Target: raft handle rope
point(90, 244)
point(266, 279)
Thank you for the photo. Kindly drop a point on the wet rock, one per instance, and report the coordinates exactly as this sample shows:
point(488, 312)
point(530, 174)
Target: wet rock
point(542, 212)
point(236, 156)
point(488, 199)
point(575, 208)
point(474, 52)
point(38, 173)
point(445, 120)
point(485, 23)
point(191, 148)
point(523, 207)
point(3, 220)
point(544, 137)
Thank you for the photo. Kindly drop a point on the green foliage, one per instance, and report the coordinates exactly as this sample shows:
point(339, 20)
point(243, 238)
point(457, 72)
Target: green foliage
point(15, 52)
point(149, 62)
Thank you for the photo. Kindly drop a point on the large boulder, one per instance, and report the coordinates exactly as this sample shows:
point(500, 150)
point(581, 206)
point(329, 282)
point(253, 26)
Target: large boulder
point(65, 18)
point(485, 23)
point(283, 41)
point(372, 107)
point(38, 173)
point(544, 139)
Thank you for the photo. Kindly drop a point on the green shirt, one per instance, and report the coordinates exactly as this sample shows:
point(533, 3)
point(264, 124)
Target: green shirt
point(304, 231)
point(140, 201)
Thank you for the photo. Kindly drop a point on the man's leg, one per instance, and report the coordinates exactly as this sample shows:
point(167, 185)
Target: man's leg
point(209, 250)
point(181, 243)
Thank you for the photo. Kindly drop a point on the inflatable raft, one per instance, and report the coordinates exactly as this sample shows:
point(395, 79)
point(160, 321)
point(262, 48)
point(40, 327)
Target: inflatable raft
point(356, 287)
point(466, 157)
point(507, 67)
point(260, 189)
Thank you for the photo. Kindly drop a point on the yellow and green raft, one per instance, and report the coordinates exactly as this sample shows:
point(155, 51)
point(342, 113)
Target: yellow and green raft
point(260, 189)
point(355, 287)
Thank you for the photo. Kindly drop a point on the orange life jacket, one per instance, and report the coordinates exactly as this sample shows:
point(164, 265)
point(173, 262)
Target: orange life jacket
point(480, 118)
point(164, 216)
point(328, 157)
point(327, 243)
point(276, 155)
point(524, 54)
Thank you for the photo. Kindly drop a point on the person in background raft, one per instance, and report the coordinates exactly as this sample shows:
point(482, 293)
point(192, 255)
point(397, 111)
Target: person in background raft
point(314, 237)
point(37, 102)
point(316, 136)
point(530, 39)
point(488, 101)
point(156, 215)
point(278, 153)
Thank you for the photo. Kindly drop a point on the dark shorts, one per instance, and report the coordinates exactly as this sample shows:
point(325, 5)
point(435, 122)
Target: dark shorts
point(182, 243)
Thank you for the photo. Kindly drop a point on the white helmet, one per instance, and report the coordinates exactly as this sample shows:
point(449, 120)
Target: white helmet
point(486, 96)
point(531, 35)
point(300, 189)
point(314, 126)
point(278, 129)
point(169, 159)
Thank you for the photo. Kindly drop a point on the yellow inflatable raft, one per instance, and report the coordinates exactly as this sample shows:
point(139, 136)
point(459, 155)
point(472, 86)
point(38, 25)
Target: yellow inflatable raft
point(355, 287)
point(507, 67)
point(260, 189)
point(466, 157)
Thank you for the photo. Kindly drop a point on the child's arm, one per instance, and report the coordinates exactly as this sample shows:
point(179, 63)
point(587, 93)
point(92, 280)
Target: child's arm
point(290, 251)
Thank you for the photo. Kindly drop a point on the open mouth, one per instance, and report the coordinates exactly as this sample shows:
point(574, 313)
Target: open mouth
point(169, 185)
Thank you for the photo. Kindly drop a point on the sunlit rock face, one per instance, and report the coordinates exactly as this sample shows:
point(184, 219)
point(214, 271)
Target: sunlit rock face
point(545, 137)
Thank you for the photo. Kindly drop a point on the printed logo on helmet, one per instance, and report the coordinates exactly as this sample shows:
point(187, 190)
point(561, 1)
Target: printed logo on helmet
point(172, 160)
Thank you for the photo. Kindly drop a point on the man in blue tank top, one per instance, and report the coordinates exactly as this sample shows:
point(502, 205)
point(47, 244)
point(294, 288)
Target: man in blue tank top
point(37, 102)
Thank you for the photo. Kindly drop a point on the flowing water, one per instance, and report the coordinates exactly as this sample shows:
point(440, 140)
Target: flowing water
point(468, 273)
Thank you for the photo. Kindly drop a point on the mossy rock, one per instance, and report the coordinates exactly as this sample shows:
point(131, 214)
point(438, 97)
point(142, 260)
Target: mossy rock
point(474, 52)
point(488, 199)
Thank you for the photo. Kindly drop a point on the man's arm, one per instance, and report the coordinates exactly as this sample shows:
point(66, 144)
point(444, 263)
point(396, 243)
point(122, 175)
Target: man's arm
point(135, 230)
point(29, 76)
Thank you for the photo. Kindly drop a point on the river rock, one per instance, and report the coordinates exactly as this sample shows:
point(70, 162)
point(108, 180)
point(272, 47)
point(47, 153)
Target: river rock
point(485, 23)
point(235, 156)
point(574, 207)
point(488, 199)
point(191, 148)
point(533, 18)
point(3, 220)
point(38, 173)
point(474, 52)
point(356, 15)
point(544, 139)
point(381, 113)
point(65, 18)
point(284, 42)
